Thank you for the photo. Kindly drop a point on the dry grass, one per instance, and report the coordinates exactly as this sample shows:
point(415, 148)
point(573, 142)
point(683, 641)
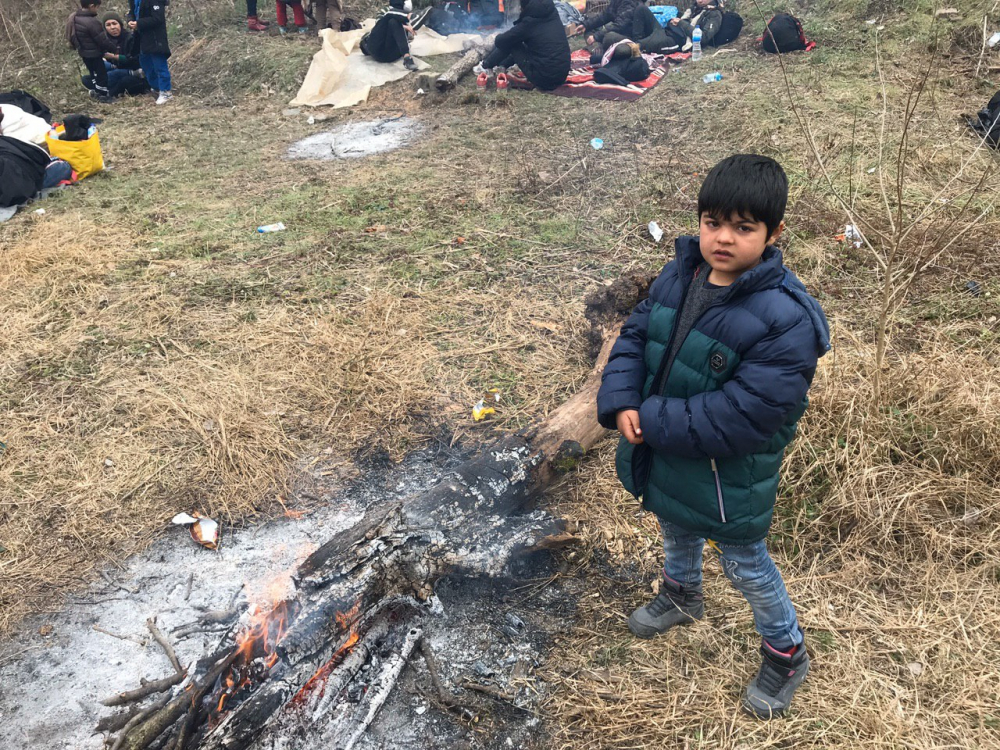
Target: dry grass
point(888, 543)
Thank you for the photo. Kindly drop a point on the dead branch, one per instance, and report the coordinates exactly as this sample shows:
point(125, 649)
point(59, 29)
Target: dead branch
point(149, 687)
point(165, 644)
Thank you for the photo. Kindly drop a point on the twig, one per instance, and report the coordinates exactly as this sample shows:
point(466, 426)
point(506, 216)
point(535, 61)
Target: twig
point(133, 638)
point(387, 681)
point(116, 721)
point(112, 582)
point(148, 688)
point(983, 50)
point(190, 583)
point(167, 648)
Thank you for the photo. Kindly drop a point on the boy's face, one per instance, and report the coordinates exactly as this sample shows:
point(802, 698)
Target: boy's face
point(733, 245)
point(113, 27)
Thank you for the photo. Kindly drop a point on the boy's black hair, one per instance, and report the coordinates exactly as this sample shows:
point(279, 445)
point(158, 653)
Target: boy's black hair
point(746, 185)
point(88, 3)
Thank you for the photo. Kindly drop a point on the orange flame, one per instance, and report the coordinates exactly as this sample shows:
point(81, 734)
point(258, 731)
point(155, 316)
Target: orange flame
point(256, 652)
point(346, 620)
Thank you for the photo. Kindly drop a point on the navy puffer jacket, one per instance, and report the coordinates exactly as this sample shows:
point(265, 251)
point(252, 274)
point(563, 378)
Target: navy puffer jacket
point(716, 430)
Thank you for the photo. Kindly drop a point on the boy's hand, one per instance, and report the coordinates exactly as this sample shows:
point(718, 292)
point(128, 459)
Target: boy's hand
point(132, 25)
point(674, 21)
point(628, 425)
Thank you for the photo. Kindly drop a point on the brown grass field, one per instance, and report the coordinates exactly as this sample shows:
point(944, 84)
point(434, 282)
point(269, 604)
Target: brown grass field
point(158, 356)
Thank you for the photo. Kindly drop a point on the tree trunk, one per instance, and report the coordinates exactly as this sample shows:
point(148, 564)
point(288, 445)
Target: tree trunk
point(450, 78)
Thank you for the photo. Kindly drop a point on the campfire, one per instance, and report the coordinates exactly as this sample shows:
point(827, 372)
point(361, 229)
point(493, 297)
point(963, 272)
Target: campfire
point(314, 669)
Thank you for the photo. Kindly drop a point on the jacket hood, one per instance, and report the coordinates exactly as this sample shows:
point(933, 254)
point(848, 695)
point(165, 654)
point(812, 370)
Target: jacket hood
point(396, 4)
point(770, 273)
point(537, 9)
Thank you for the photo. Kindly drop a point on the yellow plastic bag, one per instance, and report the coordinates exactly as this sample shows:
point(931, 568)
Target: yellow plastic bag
point(84, 156)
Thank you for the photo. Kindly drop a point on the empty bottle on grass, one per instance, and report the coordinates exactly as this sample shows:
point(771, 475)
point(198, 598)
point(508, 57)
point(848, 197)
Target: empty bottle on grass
point(696, 44)
point(711, 77)
point(268, 228)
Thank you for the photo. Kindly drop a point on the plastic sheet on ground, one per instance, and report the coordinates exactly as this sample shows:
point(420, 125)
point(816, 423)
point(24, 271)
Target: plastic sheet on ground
point(341, 76)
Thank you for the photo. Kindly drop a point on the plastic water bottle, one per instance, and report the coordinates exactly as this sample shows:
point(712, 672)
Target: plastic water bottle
point(711, 77)
point(267, 228)
point(696, 41)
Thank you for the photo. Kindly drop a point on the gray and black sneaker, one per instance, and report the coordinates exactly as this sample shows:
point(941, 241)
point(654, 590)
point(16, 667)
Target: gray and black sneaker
point(674, 605)
point(770, 693)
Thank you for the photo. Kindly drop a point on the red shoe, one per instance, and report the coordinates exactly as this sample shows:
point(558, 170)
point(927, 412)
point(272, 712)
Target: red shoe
point(482, 80)
point(255, 24)
point(502, 81)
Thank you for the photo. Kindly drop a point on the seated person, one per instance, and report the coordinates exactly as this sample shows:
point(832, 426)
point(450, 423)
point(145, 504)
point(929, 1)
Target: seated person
point(124, 75)
point(648, 34)
point(615, 19)
point(537, 44)
point(389, 39)
point(706, 14)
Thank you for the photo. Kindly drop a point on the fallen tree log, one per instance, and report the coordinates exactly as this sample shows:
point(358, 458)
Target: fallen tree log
point(474, 523)
point(450, 78)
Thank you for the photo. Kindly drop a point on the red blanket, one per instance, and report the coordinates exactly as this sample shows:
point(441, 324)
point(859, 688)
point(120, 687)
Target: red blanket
point(580, 81)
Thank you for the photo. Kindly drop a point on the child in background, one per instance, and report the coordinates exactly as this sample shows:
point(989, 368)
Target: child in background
point(148, 19)
point(706, 383)
point(87, 37)
point(281, 12)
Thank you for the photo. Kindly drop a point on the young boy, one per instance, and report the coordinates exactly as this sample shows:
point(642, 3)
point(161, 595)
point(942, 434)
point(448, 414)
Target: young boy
point(389, 39)
point(706, 383)
point(87, 37)
point(148, 19)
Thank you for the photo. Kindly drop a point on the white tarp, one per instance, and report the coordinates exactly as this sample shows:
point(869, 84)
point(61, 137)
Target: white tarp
point(341, 76)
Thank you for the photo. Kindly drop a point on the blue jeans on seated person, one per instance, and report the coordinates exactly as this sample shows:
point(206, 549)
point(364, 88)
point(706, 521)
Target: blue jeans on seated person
point(156, 70)
point(751, 571)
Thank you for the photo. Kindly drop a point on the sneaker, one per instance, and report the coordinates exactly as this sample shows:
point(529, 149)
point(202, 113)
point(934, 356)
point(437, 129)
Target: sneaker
point(674, 605)
point(303, 30)
point(164, 97)
point(479, 69)
point(282, 30)
point(409, 63)
point(255, 24)
point(770, 693)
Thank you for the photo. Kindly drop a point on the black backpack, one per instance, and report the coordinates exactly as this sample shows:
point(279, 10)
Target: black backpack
point(987, 124)
point(729, 29)
point(784, 34)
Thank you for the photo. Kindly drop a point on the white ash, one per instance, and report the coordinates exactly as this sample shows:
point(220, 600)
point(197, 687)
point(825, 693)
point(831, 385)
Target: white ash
point(354, 140)
point(51, 685)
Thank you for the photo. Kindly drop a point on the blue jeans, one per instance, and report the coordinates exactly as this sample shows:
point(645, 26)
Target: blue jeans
point(156, 70)
point(752, 572)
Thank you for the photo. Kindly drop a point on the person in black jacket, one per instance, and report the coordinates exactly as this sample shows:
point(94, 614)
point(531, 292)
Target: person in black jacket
point(616, 18)
point(705, 14)
point(537, 45)
point(389, 39)
point(149, 20)
point(90, 41)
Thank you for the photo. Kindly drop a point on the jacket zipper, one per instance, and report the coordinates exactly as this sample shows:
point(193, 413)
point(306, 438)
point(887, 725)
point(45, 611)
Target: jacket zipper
point(718, 491)
point(661, 375)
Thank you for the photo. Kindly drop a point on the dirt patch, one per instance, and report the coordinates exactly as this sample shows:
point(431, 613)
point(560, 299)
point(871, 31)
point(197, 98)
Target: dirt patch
point(355, 140)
